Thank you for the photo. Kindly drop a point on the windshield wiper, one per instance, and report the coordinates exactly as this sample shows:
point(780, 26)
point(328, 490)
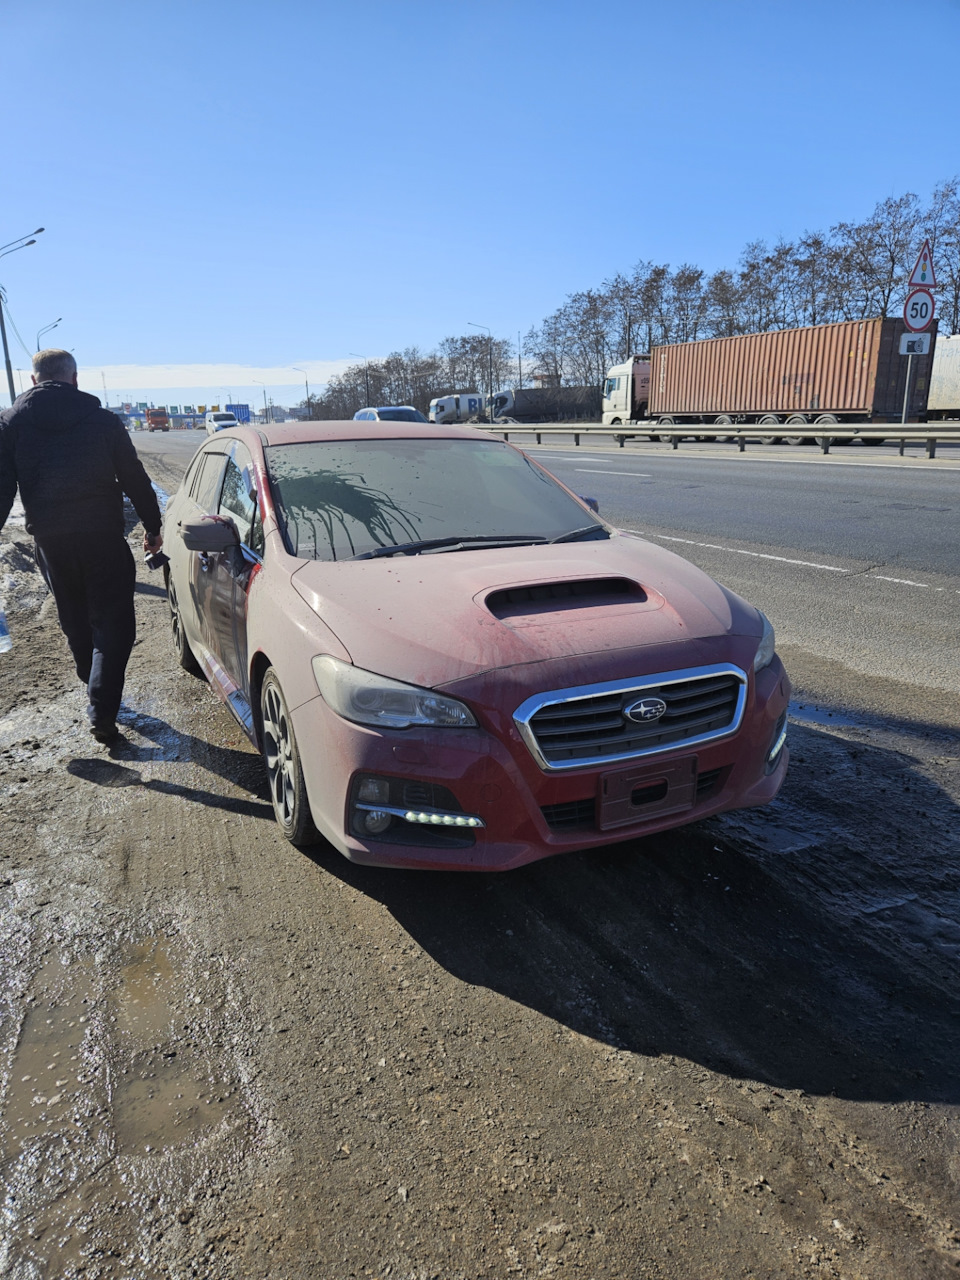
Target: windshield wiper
point(464, 540)
point(576, 535)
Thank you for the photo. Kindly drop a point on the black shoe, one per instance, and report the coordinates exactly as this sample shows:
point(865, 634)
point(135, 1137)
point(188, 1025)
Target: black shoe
point(105, 733)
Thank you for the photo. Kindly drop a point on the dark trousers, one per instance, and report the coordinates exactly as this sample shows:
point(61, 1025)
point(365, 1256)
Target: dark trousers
point(92, 579)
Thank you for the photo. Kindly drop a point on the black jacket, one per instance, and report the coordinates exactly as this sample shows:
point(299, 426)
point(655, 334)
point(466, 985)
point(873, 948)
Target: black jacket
point(73, 462)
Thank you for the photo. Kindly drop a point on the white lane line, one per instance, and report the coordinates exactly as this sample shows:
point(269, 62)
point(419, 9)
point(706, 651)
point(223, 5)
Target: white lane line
point(570, 457)
point(594, 471)
point(806, 564)
point(903, 582)
point(758, 555)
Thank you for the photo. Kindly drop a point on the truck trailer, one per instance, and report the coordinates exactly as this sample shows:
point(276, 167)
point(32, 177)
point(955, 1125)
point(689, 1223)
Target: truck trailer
point(546, 404)
point(822, 375)
point(943, 403)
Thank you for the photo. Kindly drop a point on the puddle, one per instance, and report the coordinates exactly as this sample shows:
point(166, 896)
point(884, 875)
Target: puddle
point(811, 713)
point(162, 1096)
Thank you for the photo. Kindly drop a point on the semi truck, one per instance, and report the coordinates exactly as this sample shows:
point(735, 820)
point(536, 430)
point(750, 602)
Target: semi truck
point(461, 406)
point(821, 375)
point(546, 404)
point(157, 420)
point(626, 392)
point(943, 402)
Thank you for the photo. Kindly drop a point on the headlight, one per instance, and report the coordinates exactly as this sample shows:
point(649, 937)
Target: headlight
point(768, 641)
point(367, 698)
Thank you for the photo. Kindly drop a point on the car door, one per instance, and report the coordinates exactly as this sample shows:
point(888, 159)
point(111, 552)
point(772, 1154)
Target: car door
point(229, 575)
point(192, 568)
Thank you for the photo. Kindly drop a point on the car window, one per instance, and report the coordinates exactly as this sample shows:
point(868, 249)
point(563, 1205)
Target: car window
point(190, 479)
point(207, 489)
point(342, 498)
point(237, 501)
point(400, 415)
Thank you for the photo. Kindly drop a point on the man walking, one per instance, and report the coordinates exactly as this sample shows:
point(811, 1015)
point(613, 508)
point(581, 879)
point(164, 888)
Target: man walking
point(73, 462)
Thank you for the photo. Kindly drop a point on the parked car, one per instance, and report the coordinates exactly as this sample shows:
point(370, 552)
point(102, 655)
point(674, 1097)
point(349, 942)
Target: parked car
point(449, 661)
point(214, 422)
point(390, 413)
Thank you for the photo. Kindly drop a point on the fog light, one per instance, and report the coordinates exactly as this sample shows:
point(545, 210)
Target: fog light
point(376, 821)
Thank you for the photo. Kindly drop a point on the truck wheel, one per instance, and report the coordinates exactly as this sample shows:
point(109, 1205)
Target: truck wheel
point(796, 420)
point(723, 420)
point(769, 420)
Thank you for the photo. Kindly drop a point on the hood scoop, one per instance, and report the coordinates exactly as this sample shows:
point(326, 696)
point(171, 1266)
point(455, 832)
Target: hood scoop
point(562, 597)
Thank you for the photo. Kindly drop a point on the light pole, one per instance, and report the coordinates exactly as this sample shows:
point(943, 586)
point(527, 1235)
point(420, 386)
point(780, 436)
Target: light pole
point(46, 329)
point(12, 247)
point(264, 385)
point(366, 374)
point(490, 358)
point(307, 385)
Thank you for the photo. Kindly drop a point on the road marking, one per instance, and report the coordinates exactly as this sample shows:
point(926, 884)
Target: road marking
point(593, 471)
point(806, 564)
point(823, 460)
point(759, 555)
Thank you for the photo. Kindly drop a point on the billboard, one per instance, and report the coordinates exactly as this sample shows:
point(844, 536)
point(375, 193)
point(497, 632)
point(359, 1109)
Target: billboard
point(240, 411)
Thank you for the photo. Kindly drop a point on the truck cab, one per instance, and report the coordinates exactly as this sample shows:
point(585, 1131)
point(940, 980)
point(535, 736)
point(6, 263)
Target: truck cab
point(626, 392)
point(459, 407)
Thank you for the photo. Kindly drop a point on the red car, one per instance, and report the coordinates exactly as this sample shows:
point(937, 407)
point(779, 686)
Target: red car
point(449, 661)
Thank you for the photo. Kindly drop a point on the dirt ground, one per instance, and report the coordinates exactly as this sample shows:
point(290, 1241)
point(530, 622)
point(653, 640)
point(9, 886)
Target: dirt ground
point(729, 1051)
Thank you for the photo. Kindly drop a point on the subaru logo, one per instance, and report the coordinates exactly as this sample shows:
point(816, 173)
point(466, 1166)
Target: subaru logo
point(645, 709)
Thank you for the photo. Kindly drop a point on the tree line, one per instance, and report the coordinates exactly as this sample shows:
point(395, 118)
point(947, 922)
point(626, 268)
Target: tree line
point(852, 271)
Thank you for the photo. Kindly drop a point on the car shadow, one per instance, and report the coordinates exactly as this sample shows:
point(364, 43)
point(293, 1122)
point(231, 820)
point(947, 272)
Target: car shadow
point(107, 773)
point(823, 966)
point(150, 589)
point(242, 768)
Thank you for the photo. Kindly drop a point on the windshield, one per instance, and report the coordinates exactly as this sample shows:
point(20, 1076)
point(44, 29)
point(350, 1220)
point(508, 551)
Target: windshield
point(224, 417)
point(343, 498)
point(400, 415)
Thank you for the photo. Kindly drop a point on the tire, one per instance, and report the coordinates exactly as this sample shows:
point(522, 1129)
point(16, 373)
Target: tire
point(288, 795)
point(181, 645)
point(723, 420)
point(795, 420)
point(769, 420)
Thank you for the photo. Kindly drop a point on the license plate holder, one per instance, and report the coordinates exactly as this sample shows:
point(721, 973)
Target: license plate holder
point(641, 791)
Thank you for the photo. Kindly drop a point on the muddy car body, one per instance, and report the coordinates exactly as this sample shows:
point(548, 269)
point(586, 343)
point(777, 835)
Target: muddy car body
point(449, 661)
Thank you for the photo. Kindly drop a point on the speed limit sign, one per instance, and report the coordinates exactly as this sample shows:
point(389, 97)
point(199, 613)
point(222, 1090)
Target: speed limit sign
point(918, 311)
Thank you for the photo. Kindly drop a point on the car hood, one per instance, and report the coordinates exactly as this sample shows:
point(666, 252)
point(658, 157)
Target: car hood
point(433, 619)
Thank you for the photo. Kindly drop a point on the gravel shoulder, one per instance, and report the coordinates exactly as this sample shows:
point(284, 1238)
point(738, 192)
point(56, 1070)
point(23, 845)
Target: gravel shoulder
point(729, 1051)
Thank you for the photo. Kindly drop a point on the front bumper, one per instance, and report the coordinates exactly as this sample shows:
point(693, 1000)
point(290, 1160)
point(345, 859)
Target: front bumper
point(528, 814)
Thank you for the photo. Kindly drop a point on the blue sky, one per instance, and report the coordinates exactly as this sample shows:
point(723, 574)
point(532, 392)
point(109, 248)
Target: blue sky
point(229, 190)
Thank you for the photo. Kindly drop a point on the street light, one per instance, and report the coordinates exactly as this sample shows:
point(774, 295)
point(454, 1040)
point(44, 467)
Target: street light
point(366, 372)
point(12, 247)
point(264, 385)
point(307, 385)
point(46, 329)
point(490, 355)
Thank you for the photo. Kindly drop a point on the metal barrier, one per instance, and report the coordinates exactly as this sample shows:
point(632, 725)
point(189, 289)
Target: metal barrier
point(921, 434)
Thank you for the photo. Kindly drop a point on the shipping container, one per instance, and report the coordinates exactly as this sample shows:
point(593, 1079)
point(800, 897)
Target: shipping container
point(944, 401)
point(847, 372)
point(546, 404)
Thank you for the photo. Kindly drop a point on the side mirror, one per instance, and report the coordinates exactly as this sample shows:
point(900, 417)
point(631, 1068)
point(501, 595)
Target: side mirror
point(592, 503)
point(210, 533)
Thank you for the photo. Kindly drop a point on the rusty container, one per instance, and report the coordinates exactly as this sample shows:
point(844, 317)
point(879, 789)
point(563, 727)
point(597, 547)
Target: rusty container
point(852, 369)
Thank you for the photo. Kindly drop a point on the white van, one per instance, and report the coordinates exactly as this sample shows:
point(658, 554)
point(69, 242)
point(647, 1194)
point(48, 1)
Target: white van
point(214, 422)
point(456, 408)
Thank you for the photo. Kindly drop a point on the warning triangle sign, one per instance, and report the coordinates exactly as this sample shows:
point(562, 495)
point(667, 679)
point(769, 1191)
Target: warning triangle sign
point(922, 276)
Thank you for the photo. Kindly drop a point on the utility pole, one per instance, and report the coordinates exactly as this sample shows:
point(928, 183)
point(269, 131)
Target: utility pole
point(519, 361)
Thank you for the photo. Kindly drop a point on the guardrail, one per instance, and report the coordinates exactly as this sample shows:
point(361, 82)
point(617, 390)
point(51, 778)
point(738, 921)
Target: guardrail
point(929, 434)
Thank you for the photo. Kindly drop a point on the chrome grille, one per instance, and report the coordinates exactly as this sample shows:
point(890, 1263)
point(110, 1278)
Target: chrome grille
point(573, 728)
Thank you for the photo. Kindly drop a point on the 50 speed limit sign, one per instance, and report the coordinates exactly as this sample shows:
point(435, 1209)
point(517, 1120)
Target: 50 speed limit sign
point(918, 311)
